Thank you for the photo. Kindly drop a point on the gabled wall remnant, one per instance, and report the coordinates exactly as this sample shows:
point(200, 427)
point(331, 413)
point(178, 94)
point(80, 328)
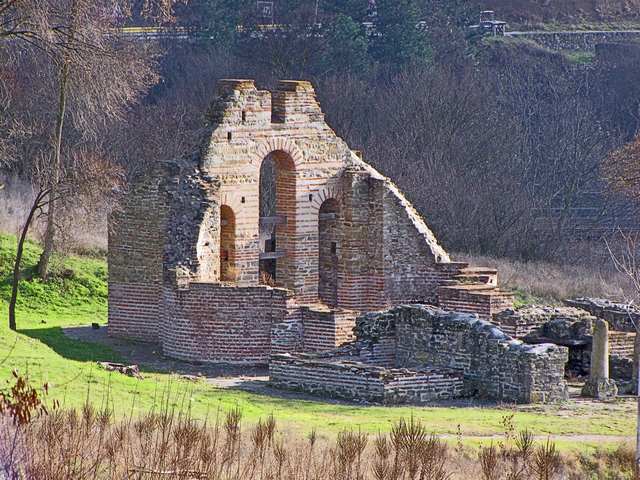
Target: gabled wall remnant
point(273, 238)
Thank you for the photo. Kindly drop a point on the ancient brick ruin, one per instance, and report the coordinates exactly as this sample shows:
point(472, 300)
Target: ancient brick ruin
point(275, 237)
point(573, 327)
point(417, 353)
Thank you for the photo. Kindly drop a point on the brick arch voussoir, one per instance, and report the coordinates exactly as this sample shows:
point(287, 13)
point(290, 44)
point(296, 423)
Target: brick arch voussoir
point(277, 144)
point(328, 192)
point(232, 200)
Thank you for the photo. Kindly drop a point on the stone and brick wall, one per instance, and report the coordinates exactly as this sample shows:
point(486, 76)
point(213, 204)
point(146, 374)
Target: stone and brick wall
point(494, 365)
point(529, 320)
point(416, 353)
point(621, 317)
point(136, 247)
point(356, 381)
point(186, 256)
point(621, 344)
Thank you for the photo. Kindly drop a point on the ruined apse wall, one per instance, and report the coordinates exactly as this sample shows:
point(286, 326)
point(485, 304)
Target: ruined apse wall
point(218, 323)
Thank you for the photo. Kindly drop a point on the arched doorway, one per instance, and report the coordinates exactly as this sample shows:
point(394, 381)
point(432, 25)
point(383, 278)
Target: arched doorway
point(277, 210)
point(328, 251)
point(228, 270)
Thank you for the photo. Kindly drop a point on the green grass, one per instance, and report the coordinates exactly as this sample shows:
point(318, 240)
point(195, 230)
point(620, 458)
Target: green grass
point(77, 295)
point(580, 58)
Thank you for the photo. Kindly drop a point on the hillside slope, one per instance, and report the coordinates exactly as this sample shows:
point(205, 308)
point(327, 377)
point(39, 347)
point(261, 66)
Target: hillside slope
point(565, 11)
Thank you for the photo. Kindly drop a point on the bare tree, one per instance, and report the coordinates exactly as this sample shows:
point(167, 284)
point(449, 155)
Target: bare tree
point(89, 178)
point(622, 169)
point(625, 255)
point(96, 77)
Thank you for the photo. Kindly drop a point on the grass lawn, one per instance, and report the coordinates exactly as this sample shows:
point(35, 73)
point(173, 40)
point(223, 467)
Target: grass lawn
point(77, 296)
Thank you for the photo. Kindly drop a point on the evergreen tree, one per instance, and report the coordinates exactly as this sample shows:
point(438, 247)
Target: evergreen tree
point(356, 9)
point(223, 17)
point(346, 46)
point(399, 37)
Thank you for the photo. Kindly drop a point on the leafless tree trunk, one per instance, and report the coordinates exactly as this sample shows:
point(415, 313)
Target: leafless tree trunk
point(38, 202)
point(626, 259)
point(49, 240)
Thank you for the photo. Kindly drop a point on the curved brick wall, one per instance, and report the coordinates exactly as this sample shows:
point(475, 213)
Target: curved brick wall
point(215, 323)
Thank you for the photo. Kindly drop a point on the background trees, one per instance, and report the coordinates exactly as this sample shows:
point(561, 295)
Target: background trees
point(497, 143)
point(63, 95)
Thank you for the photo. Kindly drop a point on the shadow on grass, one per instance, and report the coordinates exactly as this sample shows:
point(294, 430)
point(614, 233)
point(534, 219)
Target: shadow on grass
point(72, 349)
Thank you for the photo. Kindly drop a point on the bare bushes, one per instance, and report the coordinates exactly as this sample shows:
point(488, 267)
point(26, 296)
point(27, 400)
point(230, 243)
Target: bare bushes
point(47, 444)
point(90, 444)
point(81, 228)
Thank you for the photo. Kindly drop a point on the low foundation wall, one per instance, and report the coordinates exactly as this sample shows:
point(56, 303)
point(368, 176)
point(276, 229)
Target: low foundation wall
point(577, 40)
point(494, 365)
point(347, 379)
point(621, 317)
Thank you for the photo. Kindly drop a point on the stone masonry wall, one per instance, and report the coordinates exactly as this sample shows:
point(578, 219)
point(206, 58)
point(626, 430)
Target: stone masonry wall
point(529, 320)
point(621, 317)
point(248, 125)
point(494, 365)
point(186, 254)
point(577, 40)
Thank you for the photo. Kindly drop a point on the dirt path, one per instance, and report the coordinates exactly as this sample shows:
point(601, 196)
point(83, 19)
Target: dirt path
point(255, 380)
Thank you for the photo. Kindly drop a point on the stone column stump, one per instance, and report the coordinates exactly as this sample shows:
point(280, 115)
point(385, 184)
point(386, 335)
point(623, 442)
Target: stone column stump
point(599, 385)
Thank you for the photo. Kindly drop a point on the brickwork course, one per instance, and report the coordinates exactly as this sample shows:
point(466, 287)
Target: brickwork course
point(418, 354)
point(273, 238)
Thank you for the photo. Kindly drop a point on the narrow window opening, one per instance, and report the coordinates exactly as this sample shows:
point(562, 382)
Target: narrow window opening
point(334, 248)
point(242, 200)
point(310, 197)
point(244, 116)
point(229, 136)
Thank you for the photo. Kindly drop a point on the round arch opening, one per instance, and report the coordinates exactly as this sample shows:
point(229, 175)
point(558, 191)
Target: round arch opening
point(329, 239)
point(277, 210)
point(228, 269)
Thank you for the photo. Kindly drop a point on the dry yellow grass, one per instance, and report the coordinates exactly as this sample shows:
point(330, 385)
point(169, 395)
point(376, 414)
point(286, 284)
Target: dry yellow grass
point(89, 444)
point(538, 281)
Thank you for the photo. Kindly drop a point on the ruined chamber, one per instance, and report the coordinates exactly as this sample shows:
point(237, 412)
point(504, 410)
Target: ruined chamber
point(273, 239)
